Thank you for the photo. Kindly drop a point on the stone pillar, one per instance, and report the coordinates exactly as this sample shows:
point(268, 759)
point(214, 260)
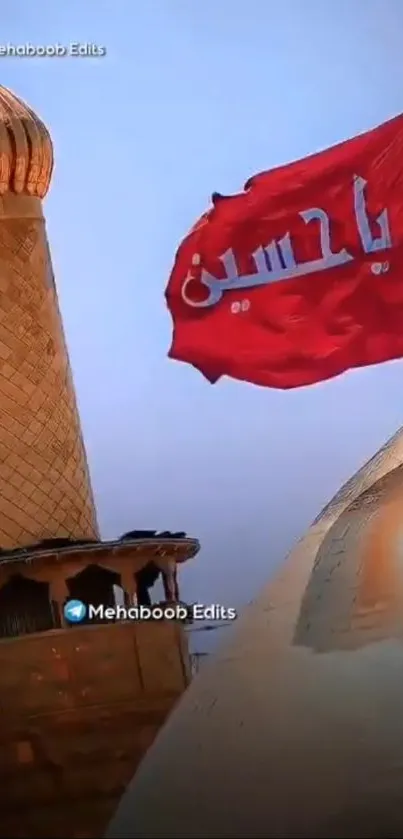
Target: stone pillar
point(169, 579)
point(128, 582)
point(59, 593)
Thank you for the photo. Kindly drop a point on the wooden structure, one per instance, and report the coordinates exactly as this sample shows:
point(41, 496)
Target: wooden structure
point(81, 704)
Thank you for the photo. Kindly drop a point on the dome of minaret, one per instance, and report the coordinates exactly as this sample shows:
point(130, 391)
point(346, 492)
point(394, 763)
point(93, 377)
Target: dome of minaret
point(26, 153)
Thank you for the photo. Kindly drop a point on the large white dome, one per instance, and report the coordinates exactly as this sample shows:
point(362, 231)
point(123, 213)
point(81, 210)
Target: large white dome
point(296, 728)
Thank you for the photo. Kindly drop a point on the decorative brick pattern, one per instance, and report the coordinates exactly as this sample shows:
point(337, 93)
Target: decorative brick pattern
point(45, 488)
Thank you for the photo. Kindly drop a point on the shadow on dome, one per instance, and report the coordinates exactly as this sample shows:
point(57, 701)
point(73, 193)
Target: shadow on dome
point(355, 591)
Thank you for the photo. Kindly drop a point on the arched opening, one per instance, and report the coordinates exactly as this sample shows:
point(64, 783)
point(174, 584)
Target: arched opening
point(146, 579)
point(94, 585)
point(25, 607)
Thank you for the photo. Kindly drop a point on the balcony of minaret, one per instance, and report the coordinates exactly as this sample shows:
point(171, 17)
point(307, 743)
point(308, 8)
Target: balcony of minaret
point(36, 583)
point(75, 695)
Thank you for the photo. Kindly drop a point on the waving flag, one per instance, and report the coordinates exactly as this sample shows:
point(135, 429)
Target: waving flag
point(299, 277)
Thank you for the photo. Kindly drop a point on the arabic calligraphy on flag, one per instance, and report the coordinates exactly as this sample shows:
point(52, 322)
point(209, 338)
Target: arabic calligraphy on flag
point(300, 277)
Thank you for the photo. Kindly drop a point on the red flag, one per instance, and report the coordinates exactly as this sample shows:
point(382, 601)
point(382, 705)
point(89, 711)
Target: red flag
point(300, 277)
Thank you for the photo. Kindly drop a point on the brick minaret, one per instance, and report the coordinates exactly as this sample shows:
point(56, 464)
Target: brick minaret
point(45, 488)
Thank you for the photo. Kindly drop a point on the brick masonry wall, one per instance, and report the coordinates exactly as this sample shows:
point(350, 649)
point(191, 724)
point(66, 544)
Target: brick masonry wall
point(45, 485)
point(79, 709)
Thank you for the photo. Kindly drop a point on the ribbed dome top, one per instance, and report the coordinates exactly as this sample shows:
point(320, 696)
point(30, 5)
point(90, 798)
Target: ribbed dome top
point(26, 153)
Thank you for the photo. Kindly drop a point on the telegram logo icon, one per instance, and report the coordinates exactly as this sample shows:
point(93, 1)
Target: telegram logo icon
point(75, 611)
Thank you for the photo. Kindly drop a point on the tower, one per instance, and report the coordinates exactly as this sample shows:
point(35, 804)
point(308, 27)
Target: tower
point(44, 480)
point(71, 696)
point(296, 728)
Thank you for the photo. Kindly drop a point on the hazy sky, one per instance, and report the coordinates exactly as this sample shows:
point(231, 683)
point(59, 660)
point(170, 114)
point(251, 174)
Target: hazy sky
point(194, 97)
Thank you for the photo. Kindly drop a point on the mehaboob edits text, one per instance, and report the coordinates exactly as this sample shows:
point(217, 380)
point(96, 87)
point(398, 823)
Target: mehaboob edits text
point(175, 611)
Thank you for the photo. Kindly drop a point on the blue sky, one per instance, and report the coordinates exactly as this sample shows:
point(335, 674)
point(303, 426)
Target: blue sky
point(194, 97)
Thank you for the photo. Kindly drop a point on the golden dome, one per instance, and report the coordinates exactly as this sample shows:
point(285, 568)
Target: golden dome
point(296, 727)
point(26, 153)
